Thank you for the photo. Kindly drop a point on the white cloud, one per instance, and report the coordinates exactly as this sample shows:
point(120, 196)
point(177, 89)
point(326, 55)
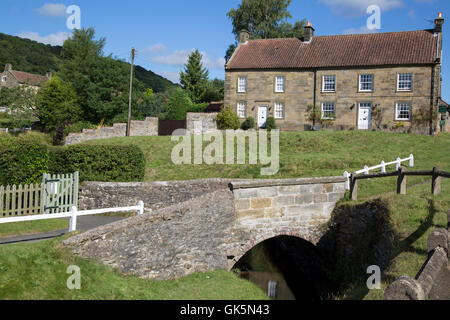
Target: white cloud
point(53, 10)
point(356, 8)
point(54, 39)
point(361, 30)
point(180, 57)
point(156, 48)
point(171, 75)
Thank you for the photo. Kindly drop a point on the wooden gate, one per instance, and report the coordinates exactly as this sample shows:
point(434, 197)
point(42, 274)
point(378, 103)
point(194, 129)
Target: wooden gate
point(60, 192)
point(167, 127)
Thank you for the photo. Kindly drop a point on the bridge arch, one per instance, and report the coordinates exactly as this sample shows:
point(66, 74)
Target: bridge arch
point(257, 238)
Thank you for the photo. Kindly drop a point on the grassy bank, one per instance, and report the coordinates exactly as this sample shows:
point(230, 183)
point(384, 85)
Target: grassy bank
point(414, 217)
point(32, 227)
point(307, 154)
point(37, 271)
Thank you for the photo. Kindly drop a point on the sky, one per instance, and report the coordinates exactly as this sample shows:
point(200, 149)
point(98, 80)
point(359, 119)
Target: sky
point(165, 32)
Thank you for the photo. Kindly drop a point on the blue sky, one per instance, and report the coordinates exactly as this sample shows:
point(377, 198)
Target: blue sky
point(165, 32)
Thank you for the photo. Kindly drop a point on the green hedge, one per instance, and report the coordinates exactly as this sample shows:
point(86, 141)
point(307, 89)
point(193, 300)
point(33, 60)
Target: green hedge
point(23, 159)
point(108, 163)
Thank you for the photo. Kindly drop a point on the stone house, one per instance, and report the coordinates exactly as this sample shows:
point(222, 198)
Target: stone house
point(12, 78)
point(385, 81)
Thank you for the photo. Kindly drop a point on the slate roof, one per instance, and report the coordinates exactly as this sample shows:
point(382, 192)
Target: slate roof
point(357, 50)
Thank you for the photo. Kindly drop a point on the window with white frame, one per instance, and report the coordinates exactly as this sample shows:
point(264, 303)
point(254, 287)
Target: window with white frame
point(403, 111)
point(279, 110)
point(279, 84)
point(328, 110)
point(328, 83)
point(4, 79)
point(405, 82)
point(366, 82)
point(242, 84)
point(241, 109)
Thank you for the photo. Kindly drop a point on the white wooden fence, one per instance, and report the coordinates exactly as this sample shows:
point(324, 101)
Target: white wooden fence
point(73, 214)
point(381, 166)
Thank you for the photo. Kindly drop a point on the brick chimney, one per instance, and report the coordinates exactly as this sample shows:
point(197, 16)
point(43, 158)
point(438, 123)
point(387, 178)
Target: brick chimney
point(245, 36)
point(308, 32)
point(8, 67)
point(439, 22)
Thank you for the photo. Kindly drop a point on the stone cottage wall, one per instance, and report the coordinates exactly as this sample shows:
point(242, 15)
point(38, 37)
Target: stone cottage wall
point(198, 123)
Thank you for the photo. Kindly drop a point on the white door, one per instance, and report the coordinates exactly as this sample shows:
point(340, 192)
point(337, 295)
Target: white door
point(262, 116)
point(365, 115)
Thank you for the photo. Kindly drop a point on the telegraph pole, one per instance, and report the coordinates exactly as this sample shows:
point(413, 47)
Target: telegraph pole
point(131, 91)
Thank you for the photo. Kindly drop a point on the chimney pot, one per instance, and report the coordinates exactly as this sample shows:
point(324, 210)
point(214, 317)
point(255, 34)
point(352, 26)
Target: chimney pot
point(308, 32)
point(439, 22)
point(245, 36)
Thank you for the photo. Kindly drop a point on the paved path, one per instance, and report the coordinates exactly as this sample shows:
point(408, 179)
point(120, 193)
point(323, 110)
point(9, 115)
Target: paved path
point(84, 223)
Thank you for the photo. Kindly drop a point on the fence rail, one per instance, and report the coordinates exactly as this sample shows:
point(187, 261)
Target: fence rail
point(436, 175)
point(381, 166)
point(21, 200)
point(73, 214)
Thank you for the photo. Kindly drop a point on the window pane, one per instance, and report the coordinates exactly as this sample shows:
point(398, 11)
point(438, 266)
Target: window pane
point(241, 109)
point(279, 85)
point(279, 111)
point(329, 83)
point(405, 82)
point(242, 84)
point(328, 111)
point(403, 111)
point(366, 82)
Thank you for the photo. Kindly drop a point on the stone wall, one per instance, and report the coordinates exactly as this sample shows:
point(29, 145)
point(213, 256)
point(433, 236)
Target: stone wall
point(433, 281)
point(198, 123)
point(148, 127)
point(197, 226)
point(299, 92)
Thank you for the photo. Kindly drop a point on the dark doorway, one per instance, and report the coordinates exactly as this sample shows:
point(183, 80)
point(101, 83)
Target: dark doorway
point(167, 127)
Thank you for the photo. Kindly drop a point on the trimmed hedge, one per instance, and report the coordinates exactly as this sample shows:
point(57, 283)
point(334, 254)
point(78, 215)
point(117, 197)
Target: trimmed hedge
point(23, 159)
point(108, 163)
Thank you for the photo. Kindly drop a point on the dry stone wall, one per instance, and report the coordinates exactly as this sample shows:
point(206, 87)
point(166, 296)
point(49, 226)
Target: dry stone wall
point(146, 128)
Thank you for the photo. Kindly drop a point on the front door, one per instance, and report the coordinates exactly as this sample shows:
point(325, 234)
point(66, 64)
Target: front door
point(365, 115)
point(262, 116)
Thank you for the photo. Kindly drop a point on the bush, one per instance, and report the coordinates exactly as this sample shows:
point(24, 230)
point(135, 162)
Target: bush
point(227, 119)
point(248, 124)
point(23, 159)
point(108, 163)
point(270, 124)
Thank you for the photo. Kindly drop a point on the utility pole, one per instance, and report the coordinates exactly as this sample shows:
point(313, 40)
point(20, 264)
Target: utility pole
point(131, 91)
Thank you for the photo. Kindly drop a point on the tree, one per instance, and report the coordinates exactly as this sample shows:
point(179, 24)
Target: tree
point(56, 104)
point(264, 19)
point(194, 79)
point(214, 91)
point(178, 105)
point(19, 98)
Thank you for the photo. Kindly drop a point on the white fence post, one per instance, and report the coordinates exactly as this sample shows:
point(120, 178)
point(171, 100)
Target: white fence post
point(141, 207)
point(73, 219)
point(347, 183)
point(411, 161)
point(383, 167)
point(366, 169)
point(399, 163)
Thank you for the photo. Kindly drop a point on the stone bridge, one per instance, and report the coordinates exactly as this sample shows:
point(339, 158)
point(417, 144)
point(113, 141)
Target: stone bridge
point(203, 225)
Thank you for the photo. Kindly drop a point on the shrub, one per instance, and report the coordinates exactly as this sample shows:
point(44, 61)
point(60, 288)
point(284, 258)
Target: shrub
point(23, 159)
point(270, 124)
point(227, 119)
point(248, 124)
point(108, 163)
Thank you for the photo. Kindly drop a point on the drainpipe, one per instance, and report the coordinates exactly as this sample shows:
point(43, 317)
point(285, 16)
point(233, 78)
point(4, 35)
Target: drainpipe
point(314, 96)
point(433, 83)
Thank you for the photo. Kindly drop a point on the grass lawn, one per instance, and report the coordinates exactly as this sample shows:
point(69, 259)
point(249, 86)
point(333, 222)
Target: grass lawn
point(414, 217)
point(37, 271)
point(32, 227)
point(308, 154)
